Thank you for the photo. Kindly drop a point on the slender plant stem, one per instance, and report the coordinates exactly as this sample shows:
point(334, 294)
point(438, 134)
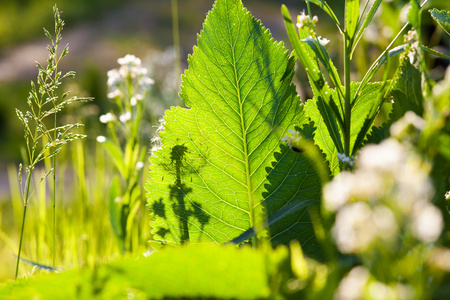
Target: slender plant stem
point(176, 41)
point(27, 193)
point(348, 111)
point(54, 198)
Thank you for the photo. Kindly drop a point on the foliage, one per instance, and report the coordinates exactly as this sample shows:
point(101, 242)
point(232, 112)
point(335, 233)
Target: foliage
point(359, 208)
point(210, 181)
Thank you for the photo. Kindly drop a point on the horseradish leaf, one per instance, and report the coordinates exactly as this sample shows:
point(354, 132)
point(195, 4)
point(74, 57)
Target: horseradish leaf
point(216, 174)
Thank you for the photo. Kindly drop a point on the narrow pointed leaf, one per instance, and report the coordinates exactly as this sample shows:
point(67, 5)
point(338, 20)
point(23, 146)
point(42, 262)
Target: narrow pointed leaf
point(441, 17)
point(367, 20)
point(326, 61)
point(434, 52)
point(318, 84)
point(208, 181)
point(351, 17)
point(365, 104)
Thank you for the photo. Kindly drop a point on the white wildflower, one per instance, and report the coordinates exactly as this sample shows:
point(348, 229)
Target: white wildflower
point(427, 222)
point(353, 229)
point(109, 117)
point(367, 185)
point(146, 81)
point(384, 221)
point(114, 92)
point(345, 159)
point(125, 117)
point(139, 165)
point(292, 139)
point(323, 41)
point(101, 139)
point(304, 20)
point(447, 195)
point(411, 37)
point(410, 124)
point(357, 226)
point(114, 77)
point(385, 157)
point(440, 258)
point(129, 60)
point(133, 101)
point(352, 286)
point(378, 290)
point(338, 192)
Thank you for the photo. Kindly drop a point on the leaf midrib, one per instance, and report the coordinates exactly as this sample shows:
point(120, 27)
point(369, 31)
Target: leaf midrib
point(243, 127)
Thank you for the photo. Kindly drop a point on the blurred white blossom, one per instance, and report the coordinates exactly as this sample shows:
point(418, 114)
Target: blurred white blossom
point(125, 117)
point(384, 158)
point(101, 139)
point(427, 222)
point(139, 165)
point(109, 117)
point(357, 226)
point(338, 192)
point(351, 287)
point(409, 123)
point(388, 192)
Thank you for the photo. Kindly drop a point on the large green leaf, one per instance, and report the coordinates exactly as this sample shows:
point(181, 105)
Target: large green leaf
point(214, 177)
point(365, 103)
point(191, 272)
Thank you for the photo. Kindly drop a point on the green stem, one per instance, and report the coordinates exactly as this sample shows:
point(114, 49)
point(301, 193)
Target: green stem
point(348, 111)
point(27, 193)
point(54, 196)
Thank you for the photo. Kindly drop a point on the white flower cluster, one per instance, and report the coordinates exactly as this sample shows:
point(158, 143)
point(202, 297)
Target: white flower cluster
point(346, 159)
point(390, 188)
point(292, 139)
point(358, 284)
point(128, 85)
point(130, 72)
point(411, 37)
point(304, 20)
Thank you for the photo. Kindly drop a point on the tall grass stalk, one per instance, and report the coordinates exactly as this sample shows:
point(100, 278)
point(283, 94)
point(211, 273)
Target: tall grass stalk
point(43, 142)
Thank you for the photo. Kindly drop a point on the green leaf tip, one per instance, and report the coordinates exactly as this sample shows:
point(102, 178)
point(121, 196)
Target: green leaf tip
point(441, 17)
point(209, 182)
